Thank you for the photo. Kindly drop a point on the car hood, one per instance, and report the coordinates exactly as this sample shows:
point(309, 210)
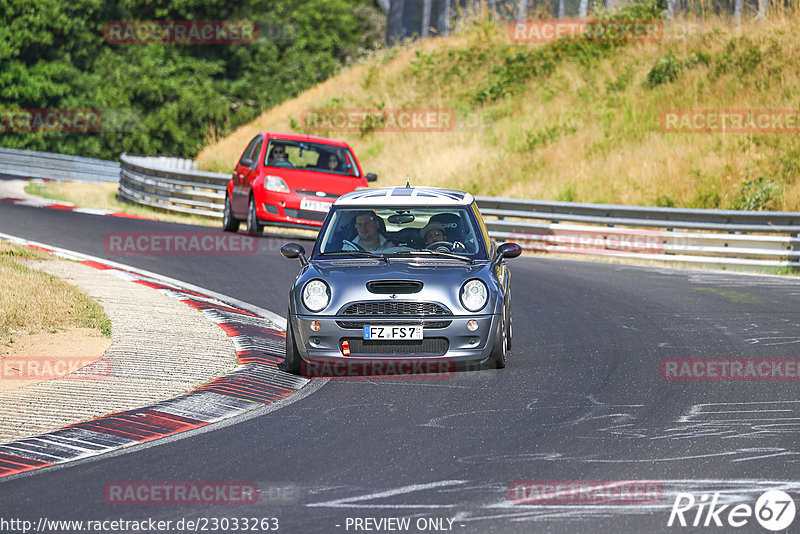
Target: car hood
point(337, 184)
point(441, 281)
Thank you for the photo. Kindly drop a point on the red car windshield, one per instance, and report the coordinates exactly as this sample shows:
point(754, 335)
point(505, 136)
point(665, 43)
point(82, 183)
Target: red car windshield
point(307, 156)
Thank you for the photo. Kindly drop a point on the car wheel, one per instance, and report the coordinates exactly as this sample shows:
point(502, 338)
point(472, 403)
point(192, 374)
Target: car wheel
point(229, 223)
point(500, 346)
point(292, 361)
point(253, 228)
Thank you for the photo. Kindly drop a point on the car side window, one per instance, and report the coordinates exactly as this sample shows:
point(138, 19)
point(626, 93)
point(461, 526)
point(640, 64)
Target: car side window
point(247, 160)
point(255, 154)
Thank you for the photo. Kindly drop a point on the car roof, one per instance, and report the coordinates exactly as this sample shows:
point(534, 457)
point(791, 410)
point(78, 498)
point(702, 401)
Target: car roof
point(405, 196)
point(307, 138)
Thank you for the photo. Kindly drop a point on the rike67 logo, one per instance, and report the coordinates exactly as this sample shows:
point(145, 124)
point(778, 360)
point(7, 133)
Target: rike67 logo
point(774, 510)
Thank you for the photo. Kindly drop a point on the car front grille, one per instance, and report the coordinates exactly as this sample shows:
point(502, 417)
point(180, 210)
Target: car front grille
point(430, 346)
point(317, 194)
point(305, 214)
point(360, 324)
point(406, 309)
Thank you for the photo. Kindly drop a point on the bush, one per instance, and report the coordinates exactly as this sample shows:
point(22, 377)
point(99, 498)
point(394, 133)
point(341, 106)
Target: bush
point(669, 68)
point(740, 57)
point(545, 136)
point(758, 194)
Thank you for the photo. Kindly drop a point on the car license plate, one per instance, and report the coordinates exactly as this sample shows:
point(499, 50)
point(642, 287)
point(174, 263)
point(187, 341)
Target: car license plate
point(315, 205)
point(394, 332)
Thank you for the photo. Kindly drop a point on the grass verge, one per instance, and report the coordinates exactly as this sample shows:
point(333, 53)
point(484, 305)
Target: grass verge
point(32, 302)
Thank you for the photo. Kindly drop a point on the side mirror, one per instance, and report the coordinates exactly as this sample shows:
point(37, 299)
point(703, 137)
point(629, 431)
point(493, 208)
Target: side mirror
point(371, 177)
point(507, 250)
point(294, 250)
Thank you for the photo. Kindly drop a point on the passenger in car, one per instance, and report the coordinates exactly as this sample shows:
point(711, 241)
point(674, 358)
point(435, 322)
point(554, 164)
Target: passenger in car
point(333, 163)
point(369, 238)
point(278, 152)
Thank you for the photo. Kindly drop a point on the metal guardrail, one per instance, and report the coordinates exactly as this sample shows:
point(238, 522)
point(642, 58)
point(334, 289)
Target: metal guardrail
point(749, 240)
point(164, 162)
point(149, 182)
point(752, 240)
point(746, 240)
point(47, 165)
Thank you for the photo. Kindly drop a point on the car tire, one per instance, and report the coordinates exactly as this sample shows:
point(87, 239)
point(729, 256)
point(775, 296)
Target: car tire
point(293, 360)
point(500, 346)
point(229, 223)
point(253, 228)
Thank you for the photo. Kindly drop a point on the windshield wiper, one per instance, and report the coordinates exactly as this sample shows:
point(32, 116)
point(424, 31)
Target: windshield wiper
point(437, 253)
point(363, 253)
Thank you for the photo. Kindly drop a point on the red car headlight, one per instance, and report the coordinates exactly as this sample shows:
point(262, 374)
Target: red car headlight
point(275, 183)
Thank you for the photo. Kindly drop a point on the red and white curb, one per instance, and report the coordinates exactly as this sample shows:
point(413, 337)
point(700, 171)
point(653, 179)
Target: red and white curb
point(42, 203)
point(258, 336)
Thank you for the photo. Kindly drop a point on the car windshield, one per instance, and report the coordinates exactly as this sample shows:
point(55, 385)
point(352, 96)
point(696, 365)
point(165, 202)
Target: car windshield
point(307, 156)
point(401, 232)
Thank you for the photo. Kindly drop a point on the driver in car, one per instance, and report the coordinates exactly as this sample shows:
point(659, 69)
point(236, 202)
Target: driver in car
point(432, 233)
point(278, 154)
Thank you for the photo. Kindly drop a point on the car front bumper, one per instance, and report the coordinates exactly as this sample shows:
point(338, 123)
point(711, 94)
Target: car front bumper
point(453, 345)
point(284, 209)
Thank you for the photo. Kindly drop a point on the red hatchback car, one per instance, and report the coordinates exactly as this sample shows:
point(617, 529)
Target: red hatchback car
point(290, 180)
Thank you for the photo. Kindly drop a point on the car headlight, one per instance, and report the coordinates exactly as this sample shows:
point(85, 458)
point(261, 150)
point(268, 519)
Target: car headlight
point(316, 295)
point(275, 183)
point(474, 295)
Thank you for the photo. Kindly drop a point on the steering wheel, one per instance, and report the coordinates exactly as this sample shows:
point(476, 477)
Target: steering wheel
point(355, 246)
point(447, 246)
point(442, 246)
point(281, 163)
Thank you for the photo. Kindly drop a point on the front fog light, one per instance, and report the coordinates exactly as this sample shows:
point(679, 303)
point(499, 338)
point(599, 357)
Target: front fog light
point(315, 326)
point(472, 325)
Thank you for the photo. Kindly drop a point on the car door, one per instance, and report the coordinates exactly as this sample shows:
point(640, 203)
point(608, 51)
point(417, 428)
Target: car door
point(241, 173)
point(252, 173)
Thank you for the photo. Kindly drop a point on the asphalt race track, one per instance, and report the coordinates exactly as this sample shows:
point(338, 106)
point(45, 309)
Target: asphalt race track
point(582, 399)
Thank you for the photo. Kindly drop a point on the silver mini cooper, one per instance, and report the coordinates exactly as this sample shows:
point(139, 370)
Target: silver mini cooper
point(400, 280)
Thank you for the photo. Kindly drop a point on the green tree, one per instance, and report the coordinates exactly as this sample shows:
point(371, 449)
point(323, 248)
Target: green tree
point(165, 98)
